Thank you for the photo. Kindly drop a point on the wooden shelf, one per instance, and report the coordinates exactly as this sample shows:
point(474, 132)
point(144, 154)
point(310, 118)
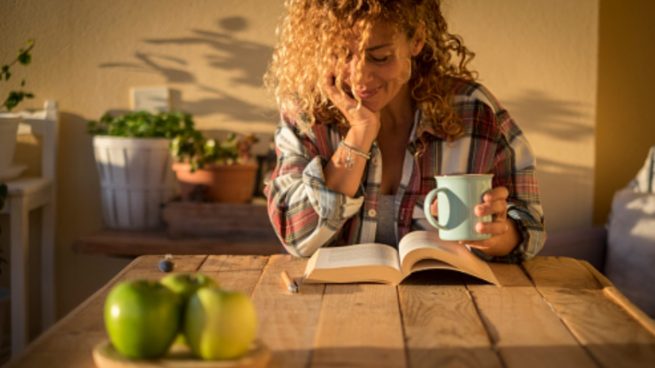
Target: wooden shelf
point(193, 228)
point(135, 243)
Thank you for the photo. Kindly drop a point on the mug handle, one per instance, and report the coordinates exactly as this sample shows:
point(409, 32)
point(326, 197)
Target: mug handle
point(426, 208)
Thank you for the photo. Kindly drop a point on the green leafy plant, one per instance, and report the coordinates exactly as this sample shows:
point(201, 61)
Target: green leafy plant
point(142, 124)
point(15, 97)
point(197, 150)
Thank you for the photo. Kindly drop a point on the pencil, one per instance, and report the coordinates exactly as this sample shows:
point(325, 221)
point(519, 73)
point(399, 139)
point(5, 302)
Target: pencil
point(290, 284)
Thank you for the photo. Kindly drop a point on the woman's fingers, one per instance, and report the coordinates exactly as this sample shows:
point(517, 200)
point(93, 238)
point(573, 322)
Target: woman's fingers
point(495, 228)
point(340, 99)
point(497, 208)
point(504, 237)
point(356, 113)
point(495, 194)
point(434, 209)
point(494, 203)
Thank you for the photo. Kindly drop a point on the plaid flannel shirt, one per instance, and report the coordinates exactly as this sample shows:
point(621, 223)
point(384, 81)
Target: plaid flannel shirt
point(306, 215)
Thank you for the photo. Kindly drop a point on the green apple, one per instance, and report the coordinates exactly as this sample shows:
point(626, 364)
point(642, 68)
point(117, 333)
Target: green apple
point(142, 318)
point(219, 324)
point(185, 284)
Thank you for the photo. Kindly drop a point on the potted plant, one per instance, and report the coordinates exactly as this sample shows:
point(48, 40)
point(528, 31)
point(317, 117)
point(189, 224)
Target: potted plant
point(131, 152)
point(8, 120)
point(212, 170)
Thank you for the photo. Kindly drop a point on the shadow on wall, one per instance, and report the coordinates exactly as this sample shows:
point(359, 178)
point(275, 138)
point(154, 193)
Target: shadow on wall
point(559, 119)
point(246, 62)
point(73, 133)
point(562, 183)
point(562, 186)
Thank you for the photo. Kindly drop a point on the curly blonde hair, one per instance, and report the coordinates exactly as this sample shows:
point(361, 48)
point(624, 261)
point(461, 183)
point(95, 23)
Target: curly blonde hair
point(313, 40)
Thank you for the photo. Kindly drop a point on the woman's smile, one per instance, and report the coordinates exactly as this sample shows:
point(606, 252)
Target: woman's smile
point(367, 93)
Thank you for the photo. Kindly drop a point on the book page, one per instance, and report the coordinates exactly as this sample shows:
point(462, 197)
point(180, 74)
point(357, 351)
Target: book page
point(429, 239)
point(421, 245)
point(369, 262)
point(357, 255)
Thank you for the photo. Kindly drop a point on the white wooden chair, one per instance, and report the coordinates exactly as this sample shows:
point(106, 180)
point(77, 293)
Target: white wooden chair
point(27, 194)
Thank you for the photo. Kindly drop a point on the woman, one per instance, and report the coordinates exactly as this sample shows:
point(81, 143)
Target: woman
point(376, 100)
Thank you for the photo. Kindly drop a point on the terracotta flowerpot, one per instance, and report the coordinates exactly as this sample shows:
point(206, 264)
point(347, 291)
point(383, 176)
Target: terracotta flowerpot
point(217, 183)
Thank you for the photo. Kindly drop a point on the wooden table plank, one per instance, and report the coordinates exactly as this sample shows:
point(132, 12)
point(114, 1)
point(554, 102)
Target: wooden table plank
point(442, 328)
point(235, 272)
point(360, 325)
point(510, 275)
point(613, 336)
point(148, 267)
point(562, 272)
point(90, 318)
point(287, 322)
point(522, 326)
point(615, 295)
point(525, 330)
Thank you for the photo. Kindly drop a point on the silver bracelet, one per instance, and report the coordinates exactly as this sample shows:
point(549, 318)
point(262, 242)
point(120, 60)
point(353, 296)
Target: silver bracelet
point(350, 161)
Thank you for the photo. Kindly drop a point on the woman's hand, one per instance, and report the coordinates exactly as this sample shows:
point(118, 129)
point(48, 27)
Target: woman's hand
point(504, 233)
point(344, 171)
point(358, 115)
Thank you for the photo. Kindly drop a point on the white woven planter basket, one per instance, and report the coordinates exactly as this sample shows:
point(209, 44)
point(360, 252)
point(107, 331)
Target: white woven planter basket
point(135, 180)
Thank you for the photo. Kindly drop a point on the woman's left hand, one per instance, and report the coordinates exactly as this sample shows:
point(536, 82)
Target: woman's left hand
point(504, 233)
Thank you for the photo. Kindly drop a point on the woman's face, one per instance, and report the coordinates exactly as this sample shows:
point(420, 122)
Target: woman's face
point(386, 68)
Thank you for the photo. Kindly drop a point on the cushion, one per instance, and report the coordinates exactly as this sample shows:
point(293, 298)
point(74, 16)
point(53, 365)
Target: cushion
point(630, 256)
point(645, 180)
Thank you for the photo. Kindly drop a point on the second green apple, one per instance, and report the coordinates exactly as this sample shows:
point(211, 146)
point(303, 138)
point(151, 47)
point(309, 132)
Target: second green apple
point(219, 324)
point(184, 285)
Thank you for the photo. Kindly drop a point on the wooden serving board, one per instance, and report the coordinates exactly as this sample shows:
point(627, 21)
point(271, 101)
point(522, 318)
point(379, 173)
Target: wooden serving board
point(105, 356)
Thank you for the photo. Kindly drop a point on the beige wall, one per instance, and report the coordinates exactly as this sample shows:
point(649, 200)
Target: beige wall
point(89, 53)
point(538, 57)
point(626, 123)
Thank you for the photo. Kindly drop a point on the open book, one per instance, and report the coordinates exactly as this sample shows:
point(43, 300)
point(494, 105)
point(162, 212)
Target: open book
point(374, 262)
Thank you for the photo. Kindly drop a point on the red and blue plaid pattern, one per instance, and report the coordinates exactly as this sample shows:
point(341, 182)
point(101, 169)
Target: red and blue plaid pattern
point(306, 215)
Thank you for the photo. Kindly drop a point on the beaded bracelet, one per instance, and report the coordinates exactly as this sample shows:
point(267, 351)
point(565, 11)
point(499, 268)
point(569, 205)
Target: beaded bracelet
point(350, 161)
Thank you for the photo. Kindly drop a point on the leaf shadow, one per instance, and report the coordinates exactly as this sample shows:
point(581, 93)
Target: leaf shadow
point(562, 182)
point(225, 49)
point(553, 117)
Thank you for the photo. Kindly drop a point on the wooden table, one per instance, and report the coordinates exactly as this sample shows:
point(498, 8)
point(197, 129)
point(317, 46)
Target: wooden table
point(550, 312)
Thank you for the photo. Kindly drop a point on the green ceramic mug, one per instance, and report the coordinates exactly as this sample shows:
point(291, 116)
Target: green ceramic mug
point(457, 197)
